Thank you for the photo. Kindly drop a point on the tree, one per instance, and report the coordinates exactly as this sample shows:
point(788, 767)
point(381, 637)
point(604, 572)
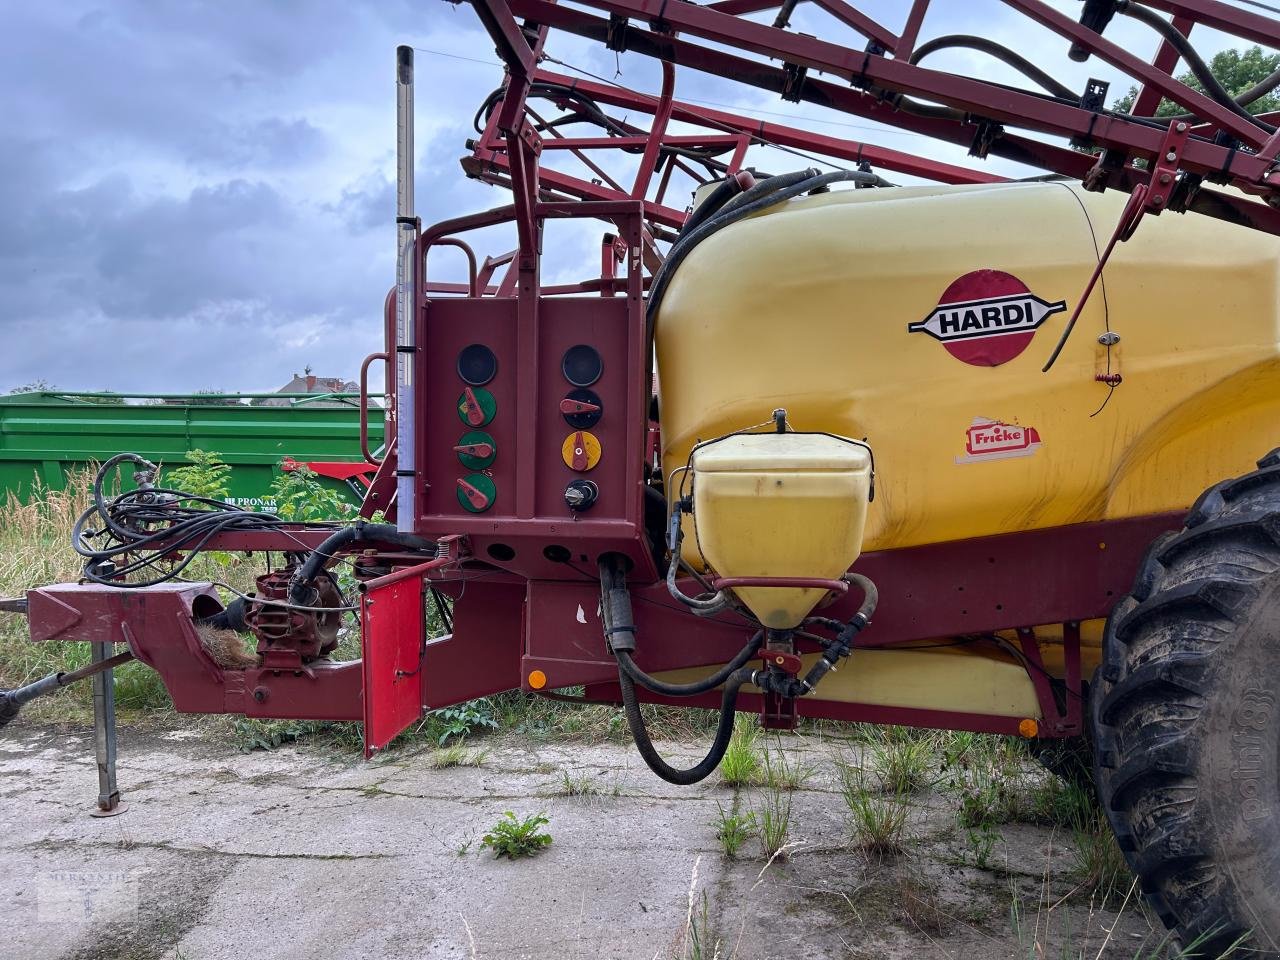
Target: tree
point(1235, 70)
point(35, 386)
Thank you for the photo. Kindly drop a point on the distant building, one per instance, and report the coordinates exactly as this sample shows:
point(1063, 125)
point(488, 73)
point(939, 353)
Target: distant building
point(309, 383)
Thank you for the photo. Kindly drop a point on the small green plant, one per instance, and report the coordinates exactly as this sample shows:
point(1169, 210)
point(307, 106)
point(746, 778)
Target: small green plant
point(205, 476)
point(301, 495)
point(734, 829)
point(457, 756)
point(773, 817)
point(250, 734)
point(460, 721)
point(984, 774)
point(742, 759)
point(583, 784)
point(903, 760)
point(783, 774)
point(513, 838)
point(877, 821)
point(1097, 861)
point(982, 841)
point(700, 941)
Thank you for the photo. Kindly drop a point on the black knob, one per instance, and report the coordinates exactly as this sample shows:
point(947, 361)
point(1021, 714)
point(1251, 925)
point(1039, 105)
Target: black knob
point(580, 495)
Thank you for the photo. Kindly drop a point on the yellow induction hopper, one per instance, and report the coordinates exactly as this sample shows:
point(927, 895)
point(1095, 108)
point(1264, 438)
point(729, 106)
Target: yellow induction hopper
point(787, 506)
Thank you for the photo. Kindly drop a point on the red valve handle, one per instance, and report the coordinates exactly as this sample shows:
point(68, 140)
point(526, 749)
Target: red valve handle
point(481, 450)
point(475, 416)
point(580, 461)
point(569, 405)
point(477, 498)
point(786, 662)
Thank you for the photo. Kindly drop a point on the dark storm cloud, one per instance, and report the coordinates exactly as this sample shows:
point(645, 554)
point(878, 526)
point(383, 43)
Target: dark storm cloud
point(200, 194)
point(191, 193)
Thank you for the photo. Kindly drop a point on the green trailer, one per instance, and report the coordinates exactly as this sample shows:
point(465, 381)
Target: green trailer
point(44, 435)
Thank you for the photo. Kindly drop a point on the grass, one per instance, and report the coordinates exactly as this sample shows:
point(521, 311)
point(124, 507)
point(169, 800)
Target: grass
point(1098, 864)
point(734, 828)
point(779, 773)
point(904, 759)
point(743, 760)
point(583, 784)
point(456, 755)
point(772, 815)
point(877, 821)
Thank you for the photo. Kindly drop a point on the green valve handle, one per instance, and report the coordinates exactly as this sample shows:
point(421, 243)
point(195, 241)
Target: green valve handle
point(476, 450)
point(476, 492)
point(476, 406)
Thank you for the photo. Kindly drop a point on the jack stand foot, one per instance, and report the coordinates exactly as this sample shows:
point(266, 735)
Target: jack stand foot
point(104, 736)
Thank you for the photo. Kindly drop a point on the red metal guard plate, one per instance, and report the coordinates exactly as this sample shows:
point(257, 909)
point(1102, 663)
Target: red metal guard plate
point(393, 626)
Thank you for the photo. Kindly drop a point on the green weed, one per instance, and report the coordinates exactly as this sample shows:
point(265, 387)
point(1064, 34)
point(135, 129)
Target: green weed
point(301, 495)
point(457, 755)
point(513, 838)
point(782, 774)
point(205, 476)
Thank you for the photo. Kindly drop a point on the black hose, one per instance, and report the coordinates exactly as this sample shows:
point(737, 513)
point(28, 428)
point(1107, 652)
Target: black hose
point(1000, 52)
point(719, 196)
point(620, 634)
point(359, 532)
point(705, 685)
point(724, 731)
point(1212, 87)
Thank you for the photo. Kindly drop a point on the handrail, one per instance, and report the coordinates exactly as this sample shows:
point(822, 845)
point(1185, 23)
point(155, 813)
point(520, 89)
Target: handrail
point(364, 405)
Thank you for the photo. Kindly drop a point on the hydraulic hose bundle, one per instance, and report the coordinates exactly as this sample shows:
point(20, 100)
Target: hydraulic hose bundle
point(140, 529)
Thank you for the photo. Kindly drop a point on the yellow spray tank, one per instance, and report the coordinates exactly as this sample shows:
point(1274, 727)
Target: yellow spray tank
point(919, 318)
point(780, 507)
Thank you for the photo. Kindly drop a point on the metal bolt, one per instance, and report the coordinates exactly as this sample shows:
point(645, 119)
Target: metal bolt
point(1171, 156)
point(1165, 178)
point(1157, 201)
point(1181, 127)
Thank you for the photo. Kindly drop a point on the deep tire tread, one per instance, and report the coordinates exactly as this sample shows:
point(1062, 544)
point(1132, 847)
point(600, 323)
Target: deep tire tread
point(1195, 588)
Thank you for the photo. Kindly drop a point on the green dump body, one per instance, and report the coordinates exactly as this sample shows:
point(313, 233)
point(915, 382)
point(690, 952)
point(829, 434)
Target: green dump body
point(44, 436)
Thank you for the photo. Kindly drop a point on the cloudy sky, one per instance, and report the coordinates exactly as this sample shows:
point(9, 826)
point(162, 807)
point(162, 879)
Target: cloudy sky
point(199, 195)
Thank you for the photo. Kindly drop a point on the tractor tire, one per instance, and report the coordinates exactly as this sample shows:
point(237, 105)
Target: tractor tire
point(1186, 720)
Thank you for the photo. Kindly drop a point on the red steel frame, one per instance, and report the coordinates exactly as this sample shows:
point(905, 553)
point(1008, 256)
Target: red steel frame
point(520, 609)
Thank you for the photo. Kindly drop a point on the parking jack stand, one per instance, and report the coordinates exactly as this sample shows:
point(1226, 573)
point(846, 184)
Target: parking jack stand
point(104, 736)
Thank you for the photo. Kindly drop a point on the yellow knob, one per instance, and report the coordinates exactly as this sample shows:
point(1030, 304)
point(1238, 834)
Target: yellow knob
point(581, 451)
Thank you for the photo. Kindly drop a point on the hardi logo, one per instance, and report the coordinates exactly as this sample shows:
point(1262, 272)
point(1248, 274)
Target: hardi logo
point(993, 440)
point(986, 317)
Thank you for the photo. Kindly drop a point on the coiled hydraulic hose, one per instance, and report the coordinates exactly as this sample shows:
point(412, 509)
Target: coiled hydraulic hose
point(707, 765)
point(620, 633)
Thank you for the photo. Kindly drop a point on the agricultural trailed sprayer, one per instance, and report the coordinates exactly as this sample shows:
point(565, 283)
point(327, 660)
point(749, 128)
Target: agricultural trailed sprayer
point(817, 445)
